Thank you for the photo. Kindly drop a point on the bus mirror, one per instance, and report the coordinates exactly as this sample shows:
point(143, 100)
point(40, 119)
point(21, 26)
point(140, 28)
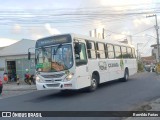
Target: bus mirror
point(89, 45)
point(77, 48)
point(29, 55)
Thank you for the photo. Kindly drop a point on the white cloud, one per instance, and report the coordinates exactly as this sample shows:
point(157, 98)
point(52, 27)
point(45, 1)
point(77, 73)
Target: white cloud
point(36, 36)
point(6, 41)
point(17, 28)
point(123, 2)
point(142, 21)
point(51, 30)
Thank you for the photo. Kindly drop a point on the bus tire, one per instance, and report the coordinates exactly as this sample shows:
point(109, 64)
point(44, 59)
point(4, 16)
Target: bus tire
point(94, 84)
point(126, 76)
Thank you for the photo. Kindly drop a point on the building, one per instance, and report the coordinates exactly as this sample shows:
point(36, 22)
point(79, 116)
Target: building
point(155, 51)
point(14, 58)
point(148, 60)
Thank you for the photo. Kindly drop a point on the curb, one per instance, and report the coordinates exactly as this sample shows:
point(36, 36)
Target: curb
point(19, 89)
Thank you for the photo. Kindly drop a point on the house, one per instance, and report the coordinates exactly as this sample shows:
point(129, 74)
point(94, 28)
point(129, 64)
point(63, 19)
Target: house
point(14, 58)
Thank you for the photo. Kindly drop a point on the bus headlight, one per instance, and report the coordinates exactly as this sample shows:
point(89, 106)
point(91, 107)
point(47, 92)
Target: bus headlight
point(38, 79)
point(69, 76)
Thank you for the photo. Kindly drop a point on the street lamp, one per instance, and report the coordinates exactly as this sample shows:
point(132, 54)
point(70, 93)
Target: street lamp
point(156, 27)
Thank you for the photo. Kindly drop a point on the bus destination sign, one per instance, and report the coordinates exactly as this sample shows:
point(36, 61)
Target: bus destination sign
point(53, 40)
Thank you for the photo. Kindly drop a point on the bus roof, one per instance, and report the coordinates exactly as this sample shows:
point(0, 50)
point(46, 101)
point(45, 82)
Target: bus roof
point(92, 39)
point(99, 40)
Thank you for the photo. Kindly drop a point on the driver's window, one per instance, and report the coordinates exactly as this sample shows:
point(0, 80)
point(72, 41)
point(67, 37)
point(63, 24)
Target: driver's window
point(81, 58)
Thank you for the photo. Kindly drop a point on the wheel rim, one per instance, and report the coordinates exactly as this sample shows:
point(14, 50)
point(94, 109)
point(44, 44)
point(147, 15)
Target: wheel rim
point(126, 76)
point(94, 83)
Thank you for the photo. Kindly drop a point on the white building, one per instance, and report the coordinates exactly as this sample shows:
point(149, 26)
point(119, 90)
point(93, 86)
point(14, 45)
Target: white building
point(155, 51)
point(14, 58)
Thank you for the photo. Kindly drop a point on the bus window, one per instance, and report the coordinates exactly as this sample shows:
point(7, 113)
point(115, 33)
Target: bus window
point(124, 52)
point(129, 51)
point(81, 58)
point(91, 52)
point(110, 51)
point(133, 52)
point(117, 51)
point(101, 50)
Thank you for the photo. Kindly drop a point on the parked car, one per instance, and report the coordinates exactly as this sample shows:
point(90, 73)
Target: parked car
point(150, 68)
point(147, 68)
point(1, 85)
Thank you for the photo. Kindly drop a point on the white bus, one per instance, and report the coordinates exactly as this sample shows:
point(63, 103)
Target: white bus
point(72, 61)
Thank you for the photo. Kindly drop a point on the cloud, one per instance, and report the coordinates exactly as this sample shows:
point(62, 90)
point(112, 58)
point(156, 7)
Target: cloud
point(37, 36)
point(141, 21)
point(6, 41)
point(52, 31)
point(17, 28)
point(123, 2)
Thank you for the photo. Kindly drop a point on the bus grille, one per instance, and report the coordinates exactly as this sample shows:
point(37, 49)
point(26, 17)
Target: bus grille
point(53, 76)
point(52, 85)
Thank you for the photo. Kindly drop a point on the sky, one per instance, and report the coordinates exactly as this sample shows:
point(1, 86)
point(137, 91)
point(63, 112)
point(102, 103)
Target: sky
point(121, 19)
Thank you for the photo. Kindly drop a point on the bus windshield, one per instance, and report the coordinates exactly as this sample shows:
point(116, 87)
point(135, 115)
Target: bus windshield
point(54, 58)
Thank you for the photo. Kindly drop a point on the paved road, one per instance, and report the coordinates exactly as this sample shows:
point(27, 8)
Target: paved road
point(112, 96)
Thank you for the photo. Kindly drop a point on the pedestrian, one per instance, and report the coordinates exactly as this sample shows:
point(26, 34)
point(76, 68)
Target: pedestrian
point(17, 79)
point(5, 77)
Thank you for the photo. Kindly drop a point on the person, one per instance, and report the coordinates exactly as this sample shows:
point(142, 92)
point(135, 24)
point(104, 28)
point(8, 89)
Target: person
point(5, 77)
point(17, 77)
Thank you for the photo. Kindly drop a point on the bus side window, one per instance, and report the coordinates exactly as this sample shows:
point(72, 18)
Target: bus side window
point(101, 51)
point(129, 51)
point(133, 52)
point(110, 51)
point(117, 51)
point(91, 49)
point(124, 52)
point(81, 58)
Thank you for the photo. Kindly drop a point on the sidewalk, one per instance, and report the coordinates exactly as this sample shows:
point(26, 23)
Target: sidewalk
point(12, 89)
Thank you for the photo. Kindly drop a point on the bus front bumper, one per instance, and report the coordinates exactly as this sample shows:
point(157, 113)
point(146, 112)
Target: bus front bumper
point(60, 86)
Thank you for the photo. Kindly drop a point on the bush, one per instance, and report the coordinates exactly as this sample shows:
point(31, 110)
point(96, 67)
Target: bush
point(140, 66)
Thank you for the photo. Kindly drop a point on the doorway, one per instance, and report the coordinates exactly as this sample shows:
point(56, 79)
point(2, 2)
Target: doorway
point(11, 67)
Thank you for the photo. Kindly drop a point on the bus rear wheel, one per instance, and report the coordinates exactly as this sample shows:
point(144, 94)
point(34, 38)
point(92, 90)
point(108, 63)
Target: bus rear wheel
point(126, 76)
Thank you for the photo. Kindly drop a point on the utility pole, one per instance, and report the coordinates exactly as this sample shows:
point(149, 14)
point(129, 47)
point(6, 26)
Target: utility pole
point(156, 27)
point(138, 50)
point(103, 37)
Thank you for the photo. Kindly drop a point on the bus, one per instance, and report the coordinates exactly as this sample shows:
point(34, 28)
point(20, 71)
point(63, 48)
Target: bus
point(72, 62)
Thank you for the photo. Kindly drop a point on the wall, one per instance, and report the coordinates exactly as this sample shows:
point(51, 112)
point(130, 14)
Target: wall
point(22, 63)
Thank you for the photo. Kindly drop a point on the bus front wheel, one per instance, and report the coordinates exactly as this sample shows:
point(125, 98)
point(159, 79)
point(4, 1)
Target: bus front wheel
point(94, 84)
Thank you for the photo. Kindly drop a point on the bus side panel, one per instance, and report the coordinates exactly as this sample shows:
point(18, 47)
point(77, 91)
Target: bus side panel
point(83, 78)
point(99, 66)
point(115, 70)
point(132, 66)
